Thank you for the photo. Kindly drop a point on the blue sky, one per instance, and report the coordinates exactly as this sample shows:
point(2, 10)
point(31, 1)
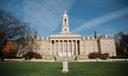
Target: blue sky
point(86, 16)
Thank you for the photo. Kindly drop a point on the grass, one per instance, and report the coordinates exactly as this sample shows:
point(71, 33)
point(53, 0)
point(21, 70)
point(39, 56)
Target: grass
point(54, 69)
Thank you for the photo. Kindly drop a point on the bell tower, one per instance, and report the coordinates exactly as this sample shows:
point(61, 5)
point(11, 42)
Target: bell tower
point(65, 23)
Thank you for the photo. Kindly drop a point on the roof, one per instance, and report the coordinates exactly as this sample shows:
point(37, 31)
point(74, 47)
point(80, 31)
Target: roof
point(65, 35)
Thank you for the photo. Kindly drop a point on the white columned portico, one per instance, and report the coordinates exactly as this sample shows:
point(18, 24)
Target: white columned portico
point(65, 43)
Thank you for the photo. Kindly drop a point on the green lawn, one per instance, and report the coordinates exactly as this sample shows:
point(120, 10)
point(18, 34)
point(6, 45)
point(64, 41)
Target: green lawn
point(54, 69)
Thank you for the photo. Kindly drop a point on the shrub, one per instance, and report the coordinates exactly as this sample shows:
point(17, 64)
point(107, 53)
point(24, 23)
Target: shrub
point(94, 55)
point(98, 55)
point(104, 56)
point(31, 55)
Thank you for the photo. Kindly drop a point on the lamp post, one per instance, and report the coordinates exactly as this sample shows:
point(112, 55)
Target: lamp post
point(65, 64)
point(125, 54)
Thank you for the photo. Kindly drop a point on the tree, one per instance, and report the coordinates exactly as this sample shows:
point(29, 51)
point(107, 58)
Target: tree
point(23, 44)
point(10, 50)
point(11, 29)
point(121, 44)
point(30, 55)
point(27, 44)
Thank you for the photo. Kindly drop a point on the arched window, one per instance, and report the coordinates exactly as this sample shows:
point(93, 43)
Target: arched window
point(65, 20)
point(65, 29)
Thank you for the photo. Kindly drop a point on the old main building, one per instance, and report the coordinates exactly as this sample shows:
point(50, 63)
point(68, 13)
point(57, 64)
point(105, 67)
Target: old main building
point(67, 44)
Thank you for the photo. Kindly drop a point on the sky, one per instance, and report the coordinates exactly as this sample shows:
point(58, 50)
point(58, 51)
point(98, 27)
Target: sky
point(86, 16)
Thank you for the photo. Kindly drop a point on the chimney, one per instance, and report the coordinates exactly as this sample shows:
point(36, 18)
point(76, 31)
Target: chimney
point(95, 34)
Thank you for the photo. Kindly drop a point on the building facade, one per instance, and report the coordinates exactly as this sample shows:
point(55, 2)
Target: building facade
point(67, 44)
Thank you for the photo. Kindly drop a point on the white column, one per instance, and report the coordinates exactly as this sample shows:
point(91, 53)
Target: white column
point(72, 47)
point(54, 48)
point(61, 50)
point(68, 47)
point(76, 47)
point(59, 47)
point(63, 47)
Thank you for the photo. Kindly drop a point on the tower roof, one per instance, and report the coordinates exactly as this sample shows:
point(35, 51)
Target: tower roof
point(65, 13)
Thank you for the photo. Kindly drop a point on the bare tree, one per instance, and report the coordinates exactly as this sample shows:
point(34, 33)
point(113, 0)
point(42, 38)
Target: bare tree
point(10, 29)
point(29, 43)
point(23, 45)
point(122, 44)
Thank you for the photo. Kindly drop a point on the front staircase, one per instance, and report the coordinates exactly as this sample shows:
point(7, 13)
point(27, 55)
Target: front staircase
point(71, 58)
point(62, 58)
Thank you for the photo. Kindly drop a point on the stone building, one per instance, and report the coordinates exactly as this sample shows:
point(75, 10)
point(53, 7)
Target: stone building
point(67, 44)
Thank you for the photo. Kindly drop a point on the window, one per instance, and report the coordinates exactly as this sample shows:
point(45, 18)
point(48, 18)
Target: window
point(65, 29)
point(65, 21)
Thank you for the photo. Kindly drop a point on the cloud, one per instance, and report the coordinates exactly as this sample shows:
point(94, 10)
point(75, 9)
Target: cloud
point(45, 14)
point(103, 19)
